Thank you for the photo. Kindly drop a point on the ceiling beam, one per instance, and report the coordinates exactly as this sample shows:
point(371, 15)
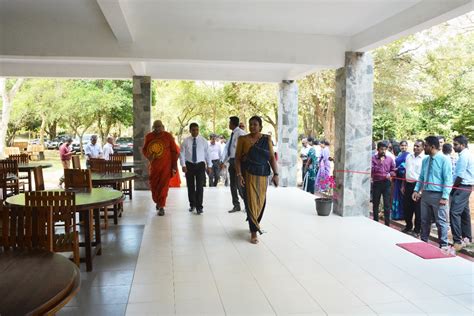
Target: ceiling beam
point(423, 15)
point(116, 19)
point(138, 68)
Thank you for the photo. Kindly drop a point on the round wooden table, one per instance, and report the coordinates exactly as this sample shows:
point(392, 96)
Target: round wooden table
point(28, 168)
point(111, 178)
point(85, 202)
point(36, 282)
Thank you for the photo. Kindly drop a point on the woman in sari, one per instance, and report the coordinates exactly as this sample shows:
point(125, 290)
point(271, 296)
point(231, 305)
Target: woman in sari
point(312, 165)
point(254, 157)
point(324, 168)
point(397, 201)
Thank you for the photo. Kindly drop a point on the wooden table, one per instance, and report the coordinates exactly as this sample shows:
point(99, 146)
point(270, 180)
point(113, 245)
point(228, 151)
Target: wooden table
point(111, 178)
point(28, 167)
point(88, 204)
point(36, 282)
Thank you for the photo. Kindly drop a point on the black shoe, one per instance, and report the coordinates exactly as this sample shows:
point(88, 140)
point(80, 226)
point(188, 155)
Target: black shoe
point(235, 209)
point(191, 209)
point(199, 211)
point(157, 207)
point(161, 211)
point(406, 230)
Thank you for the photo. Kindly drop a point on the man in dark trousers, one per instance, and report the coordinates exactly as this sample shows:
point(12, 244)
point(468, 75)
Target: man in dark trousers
point(229, 156)
point(193, 158)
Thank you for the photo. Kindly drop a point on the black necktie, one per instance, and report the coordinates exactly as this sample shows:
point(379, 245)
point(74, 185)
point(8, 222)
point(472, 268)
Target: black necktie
point(230, 144)
point(194, 150)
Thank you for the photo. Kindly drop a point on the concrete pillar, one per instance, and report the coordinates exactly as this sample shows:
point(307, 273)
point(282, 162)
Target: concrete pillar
point(141, 126)
point(354, 107)
point(288, 133)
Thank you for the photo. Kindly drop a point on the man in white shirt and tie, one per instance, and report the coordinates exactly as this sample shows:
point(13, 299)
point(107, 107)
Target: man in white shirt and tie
point(215, 154)
point(413, 168)
point(229, 156)
point(193, 158)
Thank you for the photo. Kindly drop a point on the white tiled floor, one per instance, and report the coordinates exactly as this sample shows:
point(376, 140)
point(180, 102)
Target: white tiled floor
point(303, 265)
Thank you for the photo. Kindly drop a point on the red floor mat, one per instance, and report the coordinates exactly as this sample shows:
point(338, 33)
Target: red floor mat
point(424, 250)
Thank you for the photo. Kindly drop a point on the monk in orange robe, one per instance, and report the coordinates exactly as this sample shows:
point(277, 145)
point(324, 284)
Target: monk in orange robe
point(175, 181)
point(160, 150)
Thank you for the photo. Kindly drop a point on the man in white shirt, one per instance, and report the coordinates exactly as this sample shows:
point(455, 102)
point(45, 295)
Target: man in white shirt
point(215, 154)
point(108, 148)
point(229, 156)
point(193, 158)
point(92, 150)
point(413, 168)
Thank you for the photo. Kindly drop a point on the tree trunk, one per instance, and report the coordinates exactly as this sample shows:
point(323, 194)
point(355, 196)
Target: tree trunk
point(42, 128)
point(7, 99)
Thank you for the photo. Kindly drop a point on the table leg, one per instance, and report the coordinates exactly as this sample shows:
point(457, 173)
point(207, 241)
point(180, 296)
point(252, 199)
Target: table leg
point(29, 181)
point(88, 241)
point(98, 237)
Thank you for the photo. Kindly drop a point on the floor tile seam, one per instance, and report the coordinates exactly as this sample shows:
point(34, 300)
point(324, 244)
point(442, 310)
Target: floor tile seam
point(247, 268)
point(172, 262)
point(446, 296)
point(214, 279)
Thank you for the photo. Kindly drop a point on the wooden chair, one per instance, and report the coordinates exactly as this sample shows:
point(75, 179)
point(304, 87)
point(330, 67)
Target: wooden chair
point(76, 162)
point(51, 208)
point(96, 164)
point(22, 159)
point(39, 180)
point(12, 151)
point(77, 179)
point(13, 185)
point(127, 187)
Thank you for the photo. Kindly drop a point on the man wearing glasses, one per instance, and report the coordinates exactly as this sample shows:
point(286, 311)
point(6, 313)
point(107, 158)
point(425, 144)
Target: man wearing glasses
point(460, 214)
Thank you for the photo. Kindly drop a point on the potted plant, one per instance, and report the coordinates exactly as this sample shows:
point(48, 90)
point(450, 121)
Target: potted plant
point(324, 202)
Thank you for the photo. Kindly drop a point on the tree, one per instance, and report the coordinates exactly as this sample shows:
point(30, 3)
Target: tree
point(7, 103)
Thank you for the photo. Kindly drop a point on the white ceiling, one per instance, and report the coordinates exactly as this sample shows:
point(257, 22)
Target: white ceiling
point(246, 40)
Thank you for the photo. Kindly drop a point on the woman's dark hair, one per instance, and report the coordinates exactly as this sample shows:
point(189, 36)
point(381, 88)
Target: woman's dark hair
point(432, 141)
point(310, 140)
point(315, 142)
point(404, 142)
point(326, 143)
point(256, 118)
point(447, 149)
point(396, 148)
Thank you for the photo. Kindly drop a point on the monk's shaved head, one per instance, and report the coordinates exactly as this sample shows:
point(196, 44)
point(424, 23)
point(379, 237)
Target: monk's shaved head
point(158, 126)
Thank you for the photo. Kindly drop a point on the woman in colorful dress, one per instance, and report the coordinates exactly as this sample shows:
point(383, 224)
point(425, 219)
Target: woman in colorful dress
point(312, 165)
point(254, 157)
point(397, 200)
point(324, 170)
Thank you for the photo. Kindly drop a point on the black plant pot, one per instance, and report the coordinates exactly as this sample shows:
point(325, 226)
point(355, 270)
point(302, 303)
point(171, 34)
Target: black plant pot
point(323, 206)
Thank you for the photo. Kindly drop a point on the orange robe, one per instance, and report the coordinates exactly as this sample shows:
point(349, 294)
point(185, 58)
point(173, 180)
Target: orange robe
point(160, 149)
point(175, 181)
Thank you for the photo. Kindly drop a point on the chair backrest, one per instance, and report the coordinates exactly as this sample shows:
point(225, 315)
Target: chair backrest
point(112, 166)
point(77, 179)
point(62, 204)
point(9, 166)
point(20, 158)
point(76, 162)
point(39, 180)
point(96, 164)
point(12, 151)
point(118, 157)
point(25, 227)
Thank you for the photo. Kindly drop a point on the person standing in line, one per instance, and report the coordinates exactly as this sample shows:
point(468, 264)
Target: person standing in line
point(383, 168)
point(253, 160)
point(108, 148)
point(448, 152)
point(305, 147)
point(65, 155)
point(229, 156)
point(433, 188)
point(312, 165)
point(215, 154)
point(160, 150)
point(413, 168)
point(92, 150)
point(193, 158)
point(324, 168)
point(460, 214)
point(397, 201)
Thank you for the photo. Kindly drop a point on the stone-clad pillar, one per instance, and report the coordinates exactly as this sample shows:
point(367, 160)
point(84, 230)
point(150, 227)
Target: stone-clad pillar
point(141, 126)
point(354, 107)
point(288, 133)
